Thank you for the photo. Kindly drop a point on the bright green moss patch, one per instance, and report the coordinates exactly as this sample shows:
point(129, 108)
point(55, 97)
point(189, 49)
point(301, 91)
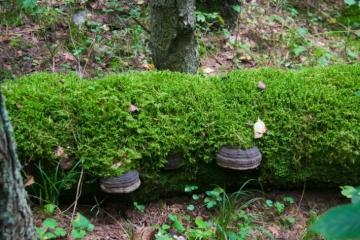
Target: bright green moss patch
point(312, 116)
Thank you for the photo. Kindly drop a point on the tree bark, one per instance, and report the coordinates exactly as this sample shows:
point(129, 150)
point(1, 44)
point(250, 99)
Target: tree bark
point(16, 221)
point(172, 39)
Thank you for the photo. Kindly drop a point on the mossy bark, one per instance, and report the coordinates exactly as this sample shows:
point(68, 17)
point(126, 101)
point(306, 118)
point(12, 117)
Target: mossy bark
point(15, 214)
point(172, 40)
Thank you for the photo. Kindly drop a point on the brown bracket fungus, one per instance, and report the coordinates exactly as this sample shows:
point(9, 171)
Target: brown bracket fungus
point(239, 159)
point(125, 183)
point(174, 161)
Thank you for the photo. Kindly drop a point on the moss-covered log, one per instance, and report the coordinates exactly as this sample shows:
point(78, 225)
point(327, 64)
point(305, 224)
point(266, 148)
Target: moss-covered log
point(312, 118)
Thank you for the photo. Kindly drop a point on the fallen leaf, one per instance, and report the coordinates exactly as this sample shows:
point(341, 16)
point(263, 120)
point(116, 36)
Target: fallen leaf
point(275, 230)
point(261, 86)
point(148, 66)
point(18, 106)
point(68, 56)
point(133, 108)
point(143, 233)
point(29, 181)
point(65, 162)
point(117, 165)
point(59, 152)
point(259, 129)
point(208, 70)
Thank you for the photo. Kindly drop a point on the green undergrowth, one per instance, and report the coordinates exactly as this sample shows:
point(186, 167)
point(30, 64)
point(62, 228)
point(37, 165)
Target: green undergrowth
point(312, 118)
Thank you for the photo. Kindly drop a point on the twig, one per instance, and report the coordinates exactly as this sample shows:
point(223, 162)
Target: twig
point(89, 53)
point(119, 223)
point(74, 46)
point(302, 196)
point(78, 193)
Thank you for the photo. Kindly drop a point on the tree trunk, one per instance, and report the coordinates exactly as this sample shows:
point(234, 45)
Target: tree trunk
point(172, 39)
point(229, 14)
point(16, 221)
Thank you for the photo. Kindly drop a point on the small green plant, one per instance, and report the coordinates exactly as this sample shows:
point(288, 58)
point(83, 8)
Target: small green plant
point(139, 207)
point(81, 226)
point(231, 211)
point(202, 230)
point(195, 197)
point(50, 186)
point(279, 206)
point(50, 230)
point(213, 197)
point(50, 208)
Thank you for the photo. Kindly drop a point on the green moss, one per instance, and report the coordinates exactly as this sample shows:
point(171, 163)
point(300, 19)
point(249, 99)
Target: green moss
point(312, 115)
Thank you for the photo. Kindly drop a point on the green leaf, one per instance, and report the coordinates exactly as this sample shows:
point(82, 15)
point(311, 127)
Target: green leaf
point(209, 203)
point(195, 197)
point(139, 207)
point(60, 232)
point(190, 188)
point(298, 50)
point(165, 227)
point(200, 223)
point(40, 231)
point(80, 222)
point(232, 236)
point(350, 2)
point(341, 222)
point(289, 200)
point(280, 207)
point(49, 235)
point(28, 4)
point(269, 203)
point(236, 8)
point(177, 224)
point(190, 207)
point(347, 191)
point(351, 54)
point(50, 223)
point(78, 233)
point(50, 208)
point(303, 32)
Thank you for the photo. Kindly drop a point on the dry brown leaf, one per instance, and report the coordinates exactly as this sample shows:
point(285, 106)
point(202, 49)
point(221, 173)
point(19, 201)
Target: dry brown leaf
point(59, 152)
point(68, 56)
point(275, 230)
point(133, 108)
point(65, 162)
point(29, 181)
point(18, 106)
point(208, 70)
point(148, 67)
point(143, 233)
point(259, 129)
point(261, 86)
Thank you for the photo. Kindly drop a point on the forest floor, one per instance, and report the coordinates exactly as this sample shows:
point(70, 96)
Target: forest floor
point(93, 39)
point(114, 220)
point(96, 38)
